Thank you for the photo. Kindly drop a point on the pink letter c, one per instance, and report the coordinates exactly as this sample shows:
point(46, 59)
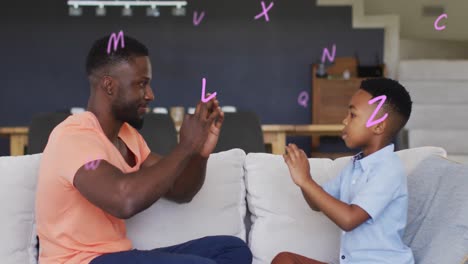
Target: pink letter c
point(436, 23)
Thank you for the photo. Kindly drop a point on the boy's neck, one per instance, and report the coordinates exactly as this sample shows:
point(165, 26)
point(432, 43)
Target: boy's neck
point(372, 148)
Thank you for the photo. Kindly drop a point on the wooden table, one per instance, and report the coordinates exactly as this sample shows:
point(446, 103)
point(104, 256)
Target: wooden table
point(276, 134)
point(272, 134)
point(18, 139)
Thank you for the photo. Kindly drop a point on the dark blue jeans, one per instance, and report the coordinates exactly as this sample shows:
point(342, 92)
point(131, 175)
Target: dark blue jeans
point(207, 250)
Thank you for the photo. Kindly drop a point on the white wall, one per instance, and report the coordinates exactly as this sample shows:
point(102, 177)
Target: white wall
point(415, 26)
point(433, 49)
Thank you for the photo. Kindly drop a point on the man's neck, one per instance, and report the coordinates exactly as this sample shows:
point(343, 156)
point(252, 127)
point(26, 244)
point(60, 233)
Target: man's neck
point(109, 125)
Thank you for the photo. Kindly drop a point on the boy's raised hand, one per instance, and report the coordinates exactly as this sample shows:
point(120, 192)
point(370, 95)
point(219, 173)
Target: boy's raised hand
point(298, 164)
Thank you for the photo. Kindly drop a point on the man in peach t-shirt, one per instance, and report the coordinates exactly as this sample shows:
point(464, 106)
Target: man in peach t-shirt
point(97, 170)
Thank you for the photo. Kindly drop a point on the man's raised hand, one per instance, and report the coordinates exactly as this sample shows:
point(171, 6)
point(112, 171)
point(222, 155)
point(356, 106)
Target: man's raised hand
point(199, 132)
point(215, 129)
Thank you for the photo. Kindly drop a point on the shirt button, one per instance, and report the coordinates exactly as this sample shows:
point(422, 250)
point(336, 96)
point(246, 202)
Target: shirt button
point(343, 257)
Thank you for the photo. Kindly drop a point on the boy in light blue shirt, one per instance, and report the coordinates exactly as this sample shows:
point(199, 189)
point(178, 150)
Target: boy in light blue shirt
point(368, 200)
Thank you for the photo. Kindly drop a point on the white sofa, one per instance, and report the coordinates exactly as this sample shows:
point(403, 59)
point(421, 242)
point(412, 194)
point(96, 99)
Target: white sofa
point(237, 185)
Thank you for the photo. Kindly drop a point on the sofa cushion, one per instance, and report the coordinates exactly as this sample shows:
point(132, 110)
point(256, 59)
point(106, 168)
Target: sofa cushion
point(437, 229)
point(281, 218)
point(18, 177)
point(218, 209)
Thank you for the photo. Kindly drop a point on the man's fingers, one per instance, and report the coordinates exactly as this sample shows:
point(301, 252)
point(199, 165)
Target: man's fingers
point(216, 108)
point(213, 116)
point(186, 117)
point(219, 122)
point(206, 109)
point(198, 109)
point(215, 103)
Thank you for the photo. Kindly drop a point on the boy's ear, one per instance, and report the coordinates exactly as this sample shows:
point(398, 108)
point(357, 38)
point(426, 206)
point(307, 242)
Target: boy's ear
point(379, 129)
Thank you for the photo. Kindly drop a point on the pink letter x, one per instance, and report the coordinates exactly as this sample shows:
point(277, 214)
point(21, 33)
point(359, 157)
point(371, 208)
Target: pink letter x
point(265, 11)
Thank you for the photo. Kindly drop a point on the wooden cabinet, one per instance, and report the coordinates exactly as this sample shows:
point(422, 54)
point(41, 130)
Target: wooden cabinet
point(331, 99)
point(330, 96)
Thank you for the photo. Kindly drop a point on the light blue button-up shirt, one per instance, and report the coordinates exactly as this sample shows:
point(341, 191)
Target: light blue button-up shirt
point(377, 184)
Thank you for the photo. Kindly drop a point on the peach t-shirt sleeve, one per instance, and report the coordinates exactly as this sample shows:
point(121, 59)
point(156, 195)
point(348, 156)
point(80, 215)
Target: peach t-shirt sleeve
point(75, 147)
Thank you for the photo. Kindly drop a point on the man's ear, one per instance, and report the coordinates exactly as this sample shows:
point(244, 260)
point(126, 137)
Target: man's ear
point(108, 84)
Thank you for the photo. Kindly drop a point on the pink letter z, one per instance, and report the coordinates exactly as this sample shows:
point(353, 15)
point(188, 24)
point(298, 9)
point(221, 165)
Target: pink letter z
point(371, 121)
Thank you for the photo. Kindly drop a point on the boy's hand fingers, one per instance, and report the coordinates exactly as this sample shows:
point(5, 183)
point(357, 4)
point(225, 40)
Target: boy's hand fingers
point(294, 146)
point(286, 159)
point(288, 154)
point(298, 152)
point(293, 152)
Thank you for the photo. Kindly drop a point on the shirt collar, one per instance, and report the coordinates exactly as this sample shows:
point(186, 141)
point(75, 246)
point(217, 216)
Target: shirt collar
point(373, 158)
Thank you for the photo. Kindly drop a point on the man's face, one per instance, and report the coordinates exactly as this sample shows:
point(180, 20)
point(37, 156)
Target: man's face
point(133, 91)
point(355, 133)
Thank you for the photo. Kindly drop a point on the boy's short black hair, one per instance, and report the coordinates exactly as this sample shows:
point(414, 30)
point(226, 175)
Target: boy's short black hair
point(398, 99)
point(98, 57)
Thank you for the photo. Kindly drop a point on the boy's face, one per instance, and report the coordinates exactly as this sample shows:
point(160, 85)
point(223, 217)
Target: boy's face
point(355, 133)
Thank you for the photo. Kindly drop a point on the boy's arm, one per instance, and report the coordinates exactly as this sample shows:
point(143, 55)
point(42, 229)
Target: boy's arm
point(310, 202)
point(346, 216)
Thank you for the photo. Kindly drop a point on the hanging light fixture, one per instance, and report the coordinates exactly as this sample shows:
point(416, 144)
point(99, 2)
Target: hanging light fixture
point(153, 11)
point(127, 11)
point(178, 11)
point(75, 10)
point(100, 10)
point(152, 7)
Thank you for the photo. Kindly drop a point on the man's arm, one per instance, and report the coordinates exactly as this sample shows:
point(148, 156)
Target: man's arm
point(190, 181)
point(124, 195)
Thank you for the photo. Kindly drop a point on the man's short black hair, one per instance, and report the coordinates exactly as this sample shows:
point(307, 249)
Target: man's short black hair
point(398, 99)
point(99, 58)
